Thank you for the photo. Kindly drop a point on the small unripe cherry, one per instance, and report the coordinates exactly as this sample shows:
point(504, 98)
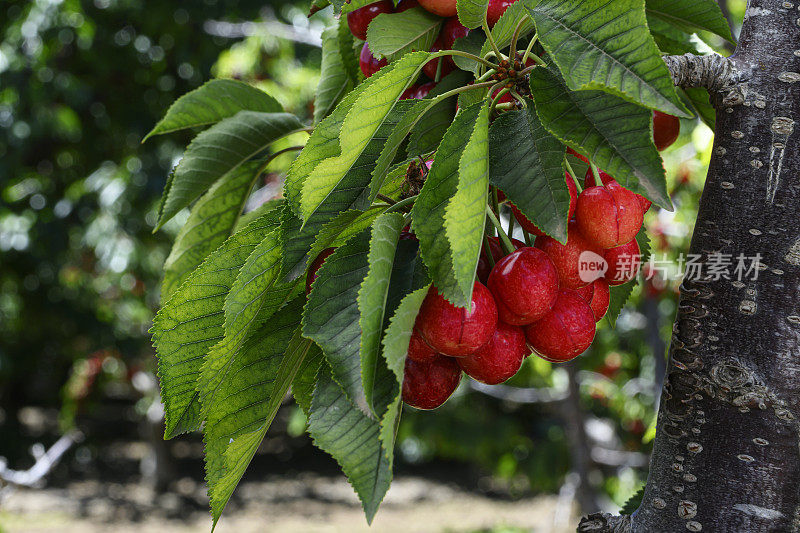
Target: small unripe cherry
point(566, 331)
point(314, 267)
point(530, 227)
point(500, 358)
point(525, 286)
point(443, 8)
point(496, 249)
point(359, 19)
point(418, 349)
point(566, 257)
point(608, 215)
point(598, 296)
point(666, 129)
point(368, 63)
point(589, 181)
point(457, 331)
point(623, 263)
point(429, 385)
point(496, 9)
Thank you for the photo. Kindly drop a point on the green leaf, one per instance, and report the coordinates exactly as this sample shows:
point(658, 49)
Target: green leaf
point(254, 297)
point(305, 380)
point(339, 428)
point(395, 349)
point(428, 214)
point(527, 163)
point(692, 15)
point(220, 150)
point(214, 101)
point(317, 5)
point(360, 126)
point(669, 39)
point(621, 293)
point(503, 30)
point(342, 228)
point(211, 221)
point(392, 35)
point(465, 214)
point(472, 43)
point(373, 294)
point(701, 103)
point(253, 392)
point(191, 322)
point(615, 134)
point(606, 45)
point(472, 13)
point(334, 81)
point(331, 318)
point(427, 134)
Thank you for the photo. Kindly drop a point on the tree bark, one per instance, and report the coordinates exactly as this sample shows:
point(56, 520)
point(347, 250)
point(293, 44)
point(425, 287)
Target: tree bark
point(727, 450)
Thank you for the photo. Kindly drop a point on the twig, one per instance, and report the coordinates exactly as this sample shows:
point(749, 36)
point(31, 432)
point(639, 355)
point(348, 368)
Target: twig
point(44, 464)
point(520, 395)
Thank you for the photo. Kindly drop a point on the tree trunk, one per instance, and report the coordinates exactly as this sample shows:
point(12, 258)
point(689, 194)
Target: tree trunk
point(727, 450)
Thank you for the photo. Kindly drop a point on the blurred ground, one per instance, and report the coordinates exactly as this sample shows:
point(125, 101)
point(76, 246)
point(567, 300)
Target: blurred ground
point(308, 504)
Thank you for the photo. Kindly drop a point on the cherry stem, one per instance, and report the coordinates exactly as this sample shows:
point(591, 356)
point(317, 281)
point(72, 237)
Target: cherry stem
point(401, 204)
point(495, 200)
point(513, 48)
point(385, 199)
point(505, 242)
point(572, 175)
point(595, 173)
point(487, 251)
point(490, 38)
point(461, 53)
point(518, 97)
point(527, 237)
point(529, 48)
point(511, 220)
point(497, 97)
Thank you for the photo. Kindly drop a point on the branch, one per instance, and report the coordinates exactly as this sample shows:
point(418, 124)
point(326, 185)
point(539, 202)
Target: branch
point(713, 72)
point(45, 462)
point(605, 523)
point(519, 394)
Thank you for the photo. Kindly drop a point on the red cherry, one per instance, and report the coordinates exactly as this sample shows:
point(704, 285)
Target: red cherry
point(666, 129)
point(525, 284)
point(456, 331)
point(598, 295)
point(429, 385)
point(566, 331)
point(423, 90)
point(443, 8)
point(500, 358)
point(496, 9)
point(315, 264)
point(588, 181)
point(405, 5)
point(496, 249)
point(418, 349)
point(530, 227)
point(609, 215)
point(359, 19)
point(579, 156)
point(566, 257)
point(623, 263)
point(452, 29)
point(369, 63)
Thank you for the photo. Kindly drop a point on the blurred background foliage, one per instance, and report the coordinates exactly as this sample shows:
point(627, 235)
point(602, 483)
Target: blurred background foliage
point(82, 82)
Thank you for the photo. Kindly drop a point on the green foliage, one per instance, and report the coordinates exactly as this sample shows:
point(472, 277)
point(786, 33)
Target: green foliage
point(607, 47)
point(393, 35)
point(527, 163)
point(620, 294)
point(335, 80)
point(691, 15)
point(616, 134)
point(472, 13)
point(633, 502)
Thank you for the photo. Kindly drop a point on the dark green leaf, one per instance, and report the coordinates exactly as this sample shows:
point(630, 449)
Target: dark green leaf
point(606, 45)
point(334, 81)
point(392, 35)
point(617, 135)
point(472, 43)
point(472, 13)
point(527, 163)
point(428, 132)
point(700, 101)
point(669, 39)
point(692, 15)
point(212, 102)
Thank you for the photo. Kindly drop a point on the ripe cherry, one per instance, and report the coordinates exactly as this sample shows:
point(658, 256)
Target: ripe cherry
point(418, 92)
point(497, 252)
point(623, 263)
point(443, 8)
point(566, 257)
point(598, 295)
point(608, 215)
point(359, 19)
point(418, 349)
point(429, 385)
point(496, 10)
point(500, 358)
point(456, 331)
point(530, 227)
point(314, 268)
point(666, 129)
point(369, 63)
point(566, 331)
point(405, 5)
point(589, 181)
point(525, 285)
point(452, 29)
